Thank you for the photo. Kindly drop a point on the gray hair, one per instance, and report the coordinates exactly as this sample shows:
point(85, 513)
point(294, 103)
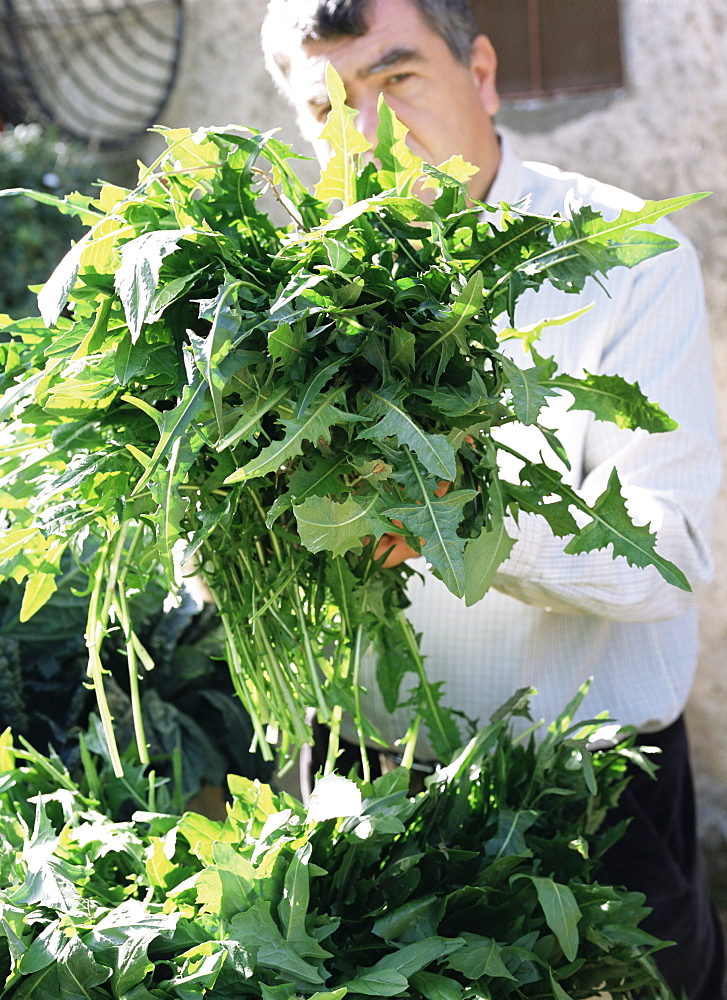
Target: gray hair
point(290, 23)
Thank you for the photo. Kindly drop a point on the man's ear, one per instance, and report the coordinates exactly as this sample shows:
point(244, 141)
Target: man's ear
point(483, 65)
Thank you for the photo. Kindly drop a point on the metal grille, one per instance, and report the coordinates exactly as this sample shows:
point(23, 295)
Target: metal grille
point(100, 71)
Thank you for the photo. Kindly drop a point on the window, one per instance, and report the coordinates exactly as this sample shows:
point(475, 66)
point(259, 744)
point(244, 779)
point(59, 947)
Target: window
point(548, 47)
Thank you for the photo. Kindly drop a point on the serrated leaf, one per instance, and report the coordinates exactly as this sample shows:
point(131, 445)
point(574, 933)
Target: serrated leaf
point(138, 276)
point(529, 334)
point(338, 178)
point(530, 388)
point(398, 166)
point(452, 328)
point(256, 930)
point(285, 343)
point(612, 525)
point(611, 398)
point(326, 524)
point(314, 426)
point(628, 245)
point(436, 520)
point(434, 451)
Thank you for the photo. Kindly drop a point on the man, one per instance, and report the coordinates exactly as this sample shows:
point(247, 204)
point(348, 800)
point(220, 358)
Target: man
point(552, 620)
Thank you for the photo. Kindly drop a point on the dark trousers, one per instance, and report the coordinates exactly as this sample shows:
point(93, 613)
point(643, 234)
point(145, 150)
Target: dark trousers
point(660, 856)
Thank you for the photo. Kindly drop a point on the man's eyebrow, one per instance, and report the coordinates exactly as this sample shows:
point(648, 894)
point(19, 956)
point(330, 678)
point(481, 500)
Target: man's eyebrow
point(392, 57)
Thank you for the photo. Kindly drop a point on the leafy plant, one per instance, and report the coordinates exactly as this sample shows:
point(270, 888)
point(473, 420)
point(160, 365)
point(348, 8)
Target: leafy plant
point(481, 886)
point(268, 400)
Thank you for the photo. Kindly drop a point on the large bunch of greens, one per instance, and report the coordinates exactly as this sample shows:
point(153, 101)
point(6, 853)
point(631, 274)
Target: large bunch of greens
point(482, 886)
point(33, 236)
point(267, 400)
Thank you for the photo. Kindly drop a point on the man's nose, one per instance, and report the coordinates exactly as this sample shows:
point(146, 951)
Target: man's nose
point(367, 119)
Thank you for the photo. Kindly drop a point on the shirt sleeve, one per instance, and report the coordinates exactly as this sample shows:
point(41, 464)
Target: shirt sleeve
point(657, 336)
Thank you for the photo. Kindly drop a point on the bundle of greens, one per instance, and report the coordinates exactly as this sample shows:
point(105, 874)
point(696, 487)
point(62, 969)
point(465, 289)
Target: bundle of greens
point(265, 400)
point(482, 886)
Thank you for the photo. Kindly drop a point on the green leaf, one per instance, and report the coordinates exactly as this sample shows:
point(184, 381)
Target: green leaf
point(452, 329)
point(123, 937)
point(411, 958)
point(530, 388)
point(432, 986)
point(223, 888)
point(529, 334)
point(338, 179)
point(611, 398)
point(387, 983)
point(138, 276)
point(482, 558)
point(39, 589)
point(611, 525)
point(558, 992)
point(293, 907)
point(629, 246)
point(398, 166)
point(480, 956)
point(434, 451)
point(338, 527)
point(313, 427)
point(509, 838)
point(175, 425)
point(415, 919)
point(436, 519)
point(257, 931)
point(561, 911)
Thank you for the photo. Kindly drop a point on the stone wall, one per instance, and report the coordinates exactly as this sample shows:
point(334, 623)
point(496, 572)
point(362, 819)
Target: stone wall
point(664, 134)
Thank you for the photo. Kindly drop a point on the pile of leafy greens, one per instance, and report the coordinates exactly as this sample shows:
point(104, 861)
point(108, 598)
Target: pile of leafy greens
point(483, 886)
point(208, 386)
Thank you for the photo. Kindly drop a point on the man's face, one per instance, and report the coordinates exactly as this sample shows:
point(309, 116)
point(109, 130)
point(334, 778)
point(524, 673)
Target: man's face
point(446, 105)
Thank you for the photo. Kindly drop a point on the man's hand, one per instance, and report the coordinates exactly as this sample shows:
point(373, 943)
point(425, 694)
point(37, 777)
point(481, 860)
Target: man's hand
point(397, 547)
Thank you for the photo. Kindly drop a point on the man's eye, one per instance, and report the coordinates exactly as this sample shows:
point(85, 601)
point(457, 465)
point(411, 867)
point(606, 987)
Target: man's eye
point(397, 78)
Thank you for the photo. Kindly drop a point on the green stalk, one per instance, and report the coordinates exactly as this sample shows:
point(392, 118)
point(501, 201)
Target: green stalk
point(358, 651)
point(133, 664)
point(95, 632)
point(309, 655)
point(425, 689)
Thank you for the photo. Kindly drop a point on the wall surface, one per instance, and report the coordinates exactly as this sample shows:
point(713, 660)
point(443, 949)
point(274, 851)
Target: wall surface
point(664, 134)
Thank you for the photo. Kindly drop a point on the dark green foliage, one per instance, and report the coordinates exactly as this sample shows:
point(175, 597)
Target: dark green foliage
point(192, 720)
point(482, 886)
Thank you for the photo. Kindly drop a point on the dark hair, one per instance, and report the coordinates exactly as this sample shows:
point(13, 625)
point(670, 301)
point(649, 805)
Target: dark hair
point(289, 23)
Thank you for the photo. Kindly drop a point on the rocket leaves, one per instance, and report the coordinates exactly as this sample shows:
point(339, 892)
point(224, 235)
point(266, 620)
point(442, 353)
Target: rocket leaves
point(441, 894)
point(272, 398)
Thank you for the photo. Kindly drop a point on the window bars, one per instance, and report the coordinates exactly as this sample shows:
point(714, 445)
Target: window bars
point(100, 71)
